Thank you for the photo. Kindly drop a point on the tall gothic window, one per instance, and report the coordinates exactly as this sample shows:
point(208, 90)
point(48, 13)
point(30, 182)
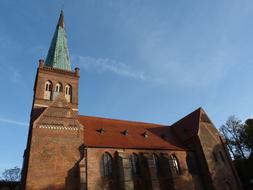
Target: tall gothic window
point(106, 165)
point(68, 92)
point(174, 164)
point(156, 163)
point(135, 165)
point(48, 90)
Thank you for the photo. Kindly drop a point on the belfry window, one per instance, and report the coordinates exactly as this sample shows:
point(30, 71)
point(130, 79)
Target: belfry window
point(174, 165)
point(68, 92)
point(48, 90)
point(58, 87)
point(135, 165)
point(106, 165)
point(57, 90)
point(48, 86)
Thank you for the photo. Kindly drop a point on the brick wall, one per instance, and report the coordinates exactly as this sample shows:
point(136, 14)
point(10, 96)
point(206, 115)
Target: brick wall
point(215, 166)
point(149, 179)
point(54, 149)
point(219, 163)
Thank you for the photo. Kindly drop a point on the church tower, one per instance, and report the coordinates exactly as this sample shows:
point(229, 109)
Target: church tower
point(68, 151)
point(55, 77)
point(52, 155)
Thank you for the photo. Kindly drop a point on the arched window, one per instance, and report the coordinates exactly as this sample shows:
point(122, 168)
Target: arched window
point(48, 86)
point(57, 90)
point(135, 164)
point(68, 92)
point(156, 163)
point(58, 87)
point(106, 165)
point(48, 90)
point(174, 164)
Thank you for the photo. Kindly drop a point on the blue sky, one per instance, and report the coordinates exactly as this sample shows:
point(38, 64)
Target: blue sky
point(144, 60)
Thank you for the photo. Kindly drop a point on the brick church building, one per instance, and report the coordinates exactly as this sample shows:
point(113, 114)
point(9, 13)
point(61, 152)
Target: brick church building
point(66, 150)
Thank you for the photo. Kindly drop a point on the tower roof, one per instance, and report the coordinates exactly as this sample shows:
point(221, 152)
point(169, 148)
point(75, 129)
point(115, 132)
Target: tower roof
point(58, 54)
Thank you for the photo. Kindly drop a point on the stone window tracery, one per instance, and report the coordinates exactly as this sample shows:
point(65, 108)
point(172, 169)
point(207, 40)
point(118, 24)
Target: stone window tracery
point(174, 164)
point(156, 163)
point(135, 164)
point(106, 165)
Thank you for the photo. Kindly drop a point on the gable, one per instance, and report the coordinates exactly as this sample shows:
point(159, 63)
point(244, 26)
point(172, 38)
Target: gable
point(59, 116)
point(188, 127)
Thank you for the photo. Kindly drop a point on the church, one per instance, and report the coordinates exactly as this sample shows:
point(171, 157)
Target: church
point(69, 151)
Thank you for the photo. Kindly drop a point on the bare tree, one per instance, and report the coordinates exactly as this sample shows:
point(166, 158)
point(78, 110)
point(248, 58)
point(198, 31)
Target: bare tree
point(12, 174)
point(233, 132)
point(248, 139)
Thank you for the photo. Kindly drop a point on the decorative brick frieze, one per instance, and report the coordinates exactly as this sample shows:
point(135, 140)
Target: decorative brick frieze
point(56, 70)
point(57, 127)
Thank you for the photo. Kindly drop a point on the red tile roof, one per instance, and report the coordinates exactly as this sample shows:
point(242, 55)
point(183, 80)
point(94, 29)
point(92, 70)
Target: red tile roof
point(127, 134)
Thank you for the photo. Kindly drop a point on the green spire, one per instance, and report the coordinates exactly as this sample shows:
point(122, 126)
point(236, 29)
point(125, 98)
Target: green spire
point(58, 54)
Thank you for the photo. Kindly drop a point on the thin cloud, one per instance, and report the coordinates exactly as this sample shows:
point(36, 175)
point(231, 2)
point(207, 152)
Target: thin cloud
point(11, 74)
point(163, 72)
point(16, 76)
point(105, 64)
point(10, 121)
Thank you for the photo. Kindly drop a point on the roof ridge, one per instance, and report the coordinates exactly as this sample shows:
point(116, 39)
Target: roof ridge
point(122, 120)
